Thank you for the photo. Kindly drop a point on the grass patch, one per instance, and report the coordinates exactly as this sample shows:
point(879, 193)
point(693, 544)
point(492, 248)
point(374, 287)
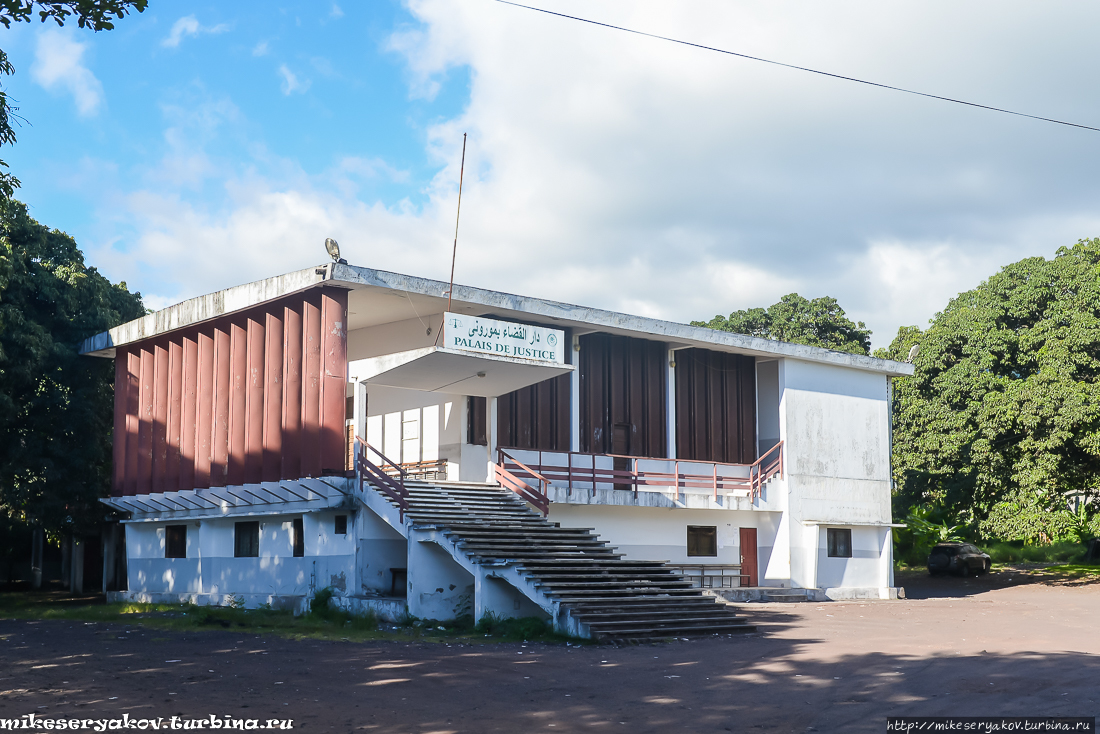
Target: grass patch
point(322, 622)
point(1019, 553)
point(521, 629)
point(1075, 570)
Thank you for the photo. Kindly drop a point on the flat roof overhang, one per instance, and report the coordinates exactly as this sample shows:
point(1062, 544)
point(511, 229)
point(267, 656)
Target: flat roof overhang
point(437, 369)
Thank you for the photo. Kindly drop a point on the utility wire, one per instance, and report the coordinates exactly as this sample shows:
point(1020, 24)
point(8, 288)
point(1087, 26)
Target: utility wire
point(798, 68)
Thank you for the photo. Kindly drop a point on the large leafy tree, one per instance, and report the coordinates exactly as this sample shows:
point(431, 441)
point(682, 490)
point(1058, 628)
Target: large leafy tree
point(1003, 410)
point(818, 323)
point(55, 406)
point(97, 15)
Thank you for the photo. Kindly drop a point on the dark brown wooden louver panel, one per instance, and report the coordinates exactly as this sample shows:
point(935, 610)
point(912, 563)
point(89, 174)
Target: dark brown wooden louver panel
point(623, 395)
point(477, 415)
point(715, 406)
point(535, 417)
point(248, 397)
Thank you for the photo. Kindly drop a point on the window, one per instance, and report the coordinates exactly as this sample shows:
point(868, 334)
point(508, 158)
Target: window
point(246, 540)
point(839, 542)
point(341, 525)
point(702, 540)
point(175, 541)
point(298, 539)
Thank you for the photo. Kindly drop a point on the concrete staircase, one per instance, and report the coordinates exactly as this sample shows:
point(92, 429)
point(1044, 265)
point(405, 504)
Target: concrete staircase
point(582, 583)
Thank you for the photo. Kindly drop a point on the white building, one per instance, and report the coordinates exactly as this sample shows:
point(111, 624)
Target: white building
point(756, 463)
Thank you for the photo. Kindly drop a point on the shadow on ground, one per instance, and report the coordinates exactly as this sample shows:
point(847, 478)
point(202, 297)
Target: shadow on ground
point(922, 585)
point(762, 681)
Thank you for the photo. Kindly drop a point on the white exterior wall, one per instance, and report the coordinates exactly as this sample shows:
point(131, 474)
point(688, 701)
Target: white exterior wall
point(211, 568)
point(835, 424)
point(864, 569)
point(658, 534)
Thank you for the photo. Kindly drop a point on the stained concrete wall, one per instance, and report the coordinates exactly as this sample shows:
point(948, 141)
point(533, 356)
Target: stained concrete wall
point(438, 588)
point(380, 549)
point(835, 424)
point(211, 568)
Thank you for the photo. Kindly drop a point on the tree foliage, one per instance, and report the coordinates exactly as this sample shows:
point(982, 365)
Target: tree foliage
point(55, 406)
point(817, 323)
point(1004, 406)
point(98, 15)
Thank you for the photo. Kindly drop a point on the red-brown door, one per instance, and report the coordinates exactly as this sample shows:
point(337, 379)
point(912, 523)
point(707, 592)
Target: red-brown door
point(748, 555)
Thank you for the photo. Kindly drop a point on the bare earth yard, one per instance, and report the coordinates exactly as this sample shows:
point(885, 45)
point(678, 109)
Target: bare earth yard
point(1004, 645)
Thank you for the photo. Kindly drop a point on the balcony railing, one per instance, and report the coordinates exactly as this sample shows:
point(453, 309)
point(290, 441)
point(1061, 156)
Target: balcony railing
point(574, 470)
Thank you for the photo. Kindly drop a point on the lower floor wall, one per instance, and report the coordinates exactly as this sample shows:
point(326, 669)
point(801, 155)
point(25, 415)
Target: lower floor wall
point(660, 534)
point(369, 565)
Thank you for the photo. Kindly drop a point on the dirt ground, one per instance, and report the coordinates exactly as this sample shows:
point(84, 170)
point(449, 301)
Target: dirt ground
point(1009, 644)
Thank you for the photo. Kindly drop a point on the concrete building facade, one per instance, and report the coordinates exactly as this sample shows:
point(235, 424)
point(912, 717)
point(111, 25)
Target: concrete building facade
point(269, 439)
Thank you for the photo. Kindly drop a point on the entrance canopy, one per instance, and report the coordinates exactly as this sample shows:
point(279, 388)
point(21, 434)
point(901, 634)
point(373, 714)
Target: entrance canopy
point(457, 371)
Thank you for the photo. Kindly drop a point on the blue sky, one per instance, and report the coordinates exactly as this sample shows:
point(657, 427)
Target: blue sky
point(239, 84)
point(199, 145)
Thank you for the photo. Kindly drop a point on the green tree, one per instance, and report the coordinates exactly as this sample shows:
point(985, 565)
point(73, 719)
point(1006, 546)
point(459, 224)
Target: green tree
point(1003, 410)
point(98, 15)
point(55, 406)
point(818, 323)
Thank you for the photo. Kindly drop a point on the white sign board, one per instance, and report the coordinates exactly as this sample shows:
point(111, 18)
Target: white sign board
point(503, 338)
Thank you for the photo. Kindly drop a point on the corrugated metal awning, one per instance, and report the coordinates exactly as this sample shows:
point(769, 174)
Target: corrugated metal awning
point(265, 498)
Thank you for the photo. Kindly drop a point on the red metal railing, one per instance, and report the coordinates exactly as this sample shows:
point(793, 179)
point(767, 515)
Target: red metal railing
point(569, 474)
point(536, 497)
point(389, 478)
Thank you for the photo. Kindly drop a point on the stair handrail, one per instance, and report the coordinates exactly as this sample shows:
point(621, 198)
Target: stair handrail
point(536, 497)
point(384, 481)
point(766, 467)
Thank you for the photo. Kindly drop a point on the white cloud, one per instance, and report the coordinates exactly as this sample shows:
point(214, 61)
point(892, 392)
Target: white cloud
point(336, 11)
point(629, 173)
point(260, 49)
point(189, 26)
point(58, 65)
point(291, 83)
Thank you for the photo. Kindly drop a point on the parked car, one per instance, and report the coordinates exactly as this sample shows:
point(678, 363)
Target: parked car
point(958, 558)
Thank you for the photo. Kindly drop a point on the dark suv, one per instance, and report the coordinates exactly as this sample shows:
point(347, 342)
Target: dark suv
point(958, 558)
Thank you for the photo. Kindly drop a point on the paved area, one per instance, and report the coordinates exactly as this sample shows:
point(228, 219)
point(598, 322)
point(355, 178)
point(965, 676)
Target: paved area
point(1004, 645)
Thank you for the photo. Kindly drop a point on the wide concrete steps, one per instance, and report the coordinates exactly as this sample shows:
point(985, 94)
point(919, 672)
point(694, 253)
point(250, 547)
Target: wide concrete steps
point(613, 597)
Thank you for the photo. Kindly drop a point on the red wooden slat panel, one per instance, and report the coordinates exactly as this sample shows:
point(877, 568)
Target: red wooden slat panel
point(219, 450)
point(273, 398)
point(133, 419)
point(145, 425)
point(292, 393)
point(188, 411)
point(254, 400)
point(118, 433)
point(160, 414)
point(238, 391)
point(175, 404)
point(204, 409)
point(334, 379)
point(311, 387)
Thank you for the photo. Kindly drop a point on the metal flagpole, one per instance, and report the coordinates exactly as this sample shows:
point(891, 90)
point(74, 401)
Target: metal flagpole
point(454, 250)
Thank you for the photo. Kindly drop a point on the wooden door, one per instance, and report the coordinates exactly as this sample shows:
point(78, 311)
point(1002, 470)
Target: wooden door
point(748, 555)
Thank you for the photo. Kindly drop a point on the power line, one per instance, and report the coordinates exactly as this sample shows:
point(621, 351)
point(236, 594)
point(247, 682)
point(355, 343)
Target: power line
point(798, 68)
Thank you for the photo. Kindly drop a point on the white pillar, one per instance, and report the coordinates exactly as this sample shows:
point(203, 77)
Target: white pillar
point(575, 398)
point(360, 410)
point(670, 405)
point(491, 436)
